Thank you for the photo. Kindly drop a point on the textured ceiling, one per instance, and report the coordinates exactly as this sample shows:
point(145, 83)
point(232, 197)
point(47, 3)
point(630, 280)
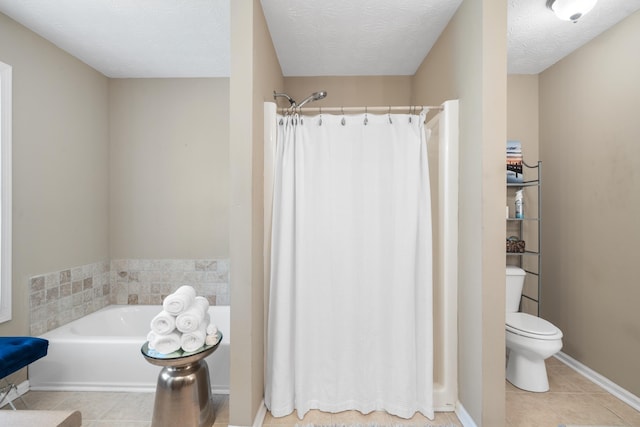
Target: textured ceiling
point(355, 37)
point(134, 38)
point(537, 39)
point(190, 38)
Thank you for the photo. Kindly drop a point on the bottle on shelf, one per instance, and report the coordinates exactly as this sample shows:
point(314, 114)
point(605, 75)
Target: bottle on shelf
point(519, 205)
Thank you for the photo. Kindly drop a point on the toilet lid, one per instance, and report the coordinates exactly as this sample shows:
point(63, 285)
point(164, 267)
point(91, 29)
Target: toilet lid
point(526, 324)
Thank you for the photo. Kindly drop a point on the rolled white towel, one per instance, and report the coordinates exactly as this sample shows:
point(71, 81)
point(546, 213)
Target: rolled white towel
point(163, 323)
point(212, 329)
point(180, 300)
point(212, 339)
point(191, 319)
point(192, 341)
point(204, 303)
point(166, 344)
point(151, 337)
point(206, 322)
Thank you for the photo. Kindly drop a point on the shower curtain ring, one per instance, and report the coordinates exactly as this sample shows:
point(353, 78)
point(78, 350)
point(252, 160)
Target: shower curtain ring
point(389, 114)
point(343, 121)
point(320, 121)
point(366, 116)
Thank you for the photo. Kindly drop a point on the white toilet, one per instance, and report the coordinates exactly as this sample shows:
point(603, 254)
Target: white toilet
point(530, 339)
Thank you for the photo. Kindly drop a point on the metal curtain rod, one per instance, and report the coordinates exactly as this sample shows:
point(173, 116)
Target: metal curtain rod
point(343, 110)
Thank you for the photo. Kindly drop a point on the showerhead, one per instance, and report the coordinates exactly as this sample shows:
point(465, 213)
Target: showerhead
point(315, 96)
point(284, 95)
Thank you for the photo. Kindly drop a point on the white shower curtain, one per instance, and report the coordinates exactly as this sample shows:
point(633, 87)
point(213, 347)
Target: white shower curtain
point(350, 311)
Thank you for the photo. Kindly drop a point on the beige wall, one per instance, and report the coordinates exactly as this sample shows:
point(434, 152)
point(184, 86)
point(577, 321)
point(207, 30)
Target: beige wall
point(589, 143)
point(169, 168)
point(350, 91)
point(434, 81)
point(522, 113)
point(267, 77)
point(522, 125)
point(468, 62)
point(60, 143)
point(255, 74)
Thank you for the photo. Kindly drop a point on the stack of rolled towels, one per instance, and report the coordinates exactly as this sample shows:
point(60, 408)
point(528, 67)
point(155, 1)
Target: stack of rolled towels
point(184, 323)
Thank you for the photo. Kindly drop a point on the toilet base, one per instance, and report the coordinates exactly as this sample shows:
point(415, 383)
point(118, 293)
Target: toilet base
point(527, 374)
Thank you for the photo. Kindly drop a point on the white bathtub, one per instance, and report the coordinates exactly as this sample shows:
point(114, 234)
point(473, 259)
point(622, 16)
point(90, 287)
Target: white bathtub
point(101, 352)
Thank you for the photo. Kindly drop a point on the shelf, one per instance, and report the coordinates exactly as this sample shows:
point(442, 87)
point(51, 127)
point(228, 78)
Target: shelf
point(533, 183)
point(525, 253)
point(532, 180)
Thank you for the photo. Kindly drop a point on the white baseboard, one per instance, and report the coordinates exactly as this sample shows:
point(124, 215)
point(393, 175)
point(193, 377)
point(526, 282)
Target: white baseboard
point(262, 412)
point(464, 416)
point(613, 388)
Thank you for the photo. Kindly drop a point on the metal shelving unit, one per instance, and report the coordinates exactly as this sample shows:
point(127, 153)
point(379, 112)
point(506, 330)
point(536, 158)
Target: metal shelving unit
point(536, 185)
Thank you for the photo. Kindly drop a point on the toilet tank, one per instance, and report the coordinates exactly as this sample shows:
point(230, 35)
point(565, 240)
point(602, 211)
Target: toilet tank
point(515, 282)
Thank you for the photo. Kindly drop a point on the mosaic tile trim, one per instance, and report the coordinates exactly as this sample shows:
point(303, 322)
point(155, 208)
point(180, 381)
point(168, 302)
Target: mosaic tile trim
point(62, 296)
point(149, 281)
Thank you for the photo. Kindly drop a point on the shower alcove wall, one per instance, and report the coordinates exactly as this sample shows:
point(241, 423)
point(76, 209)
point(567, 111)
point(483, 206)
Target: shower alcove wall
point(442, 151)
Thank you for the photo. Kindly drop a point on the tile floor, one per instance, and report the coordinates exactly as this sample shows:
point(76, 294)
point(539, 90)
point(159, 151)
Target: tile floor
point(571, 400)
point(109, 409)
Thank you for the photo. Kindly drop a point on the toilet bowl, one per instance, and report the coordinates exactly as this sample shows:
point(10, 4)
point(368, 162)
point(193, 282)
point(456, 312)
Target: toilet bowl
point(529, 339)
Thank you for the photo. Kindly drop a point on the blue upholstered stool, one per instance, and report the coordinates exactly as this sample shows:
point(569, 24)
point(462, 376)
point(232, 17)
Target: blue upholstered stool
point(15, 354)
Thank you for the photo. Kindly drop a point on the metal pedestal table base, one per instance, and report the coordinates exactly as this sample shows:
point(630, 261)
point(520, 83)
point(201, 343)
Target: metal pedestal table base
point(183, 397)
point(183, 392)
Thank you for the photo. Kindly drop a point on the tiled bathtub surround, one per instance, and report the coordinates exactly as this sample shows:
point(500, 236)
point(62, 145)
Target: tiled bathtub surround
point(148, 281)
point(62, 296)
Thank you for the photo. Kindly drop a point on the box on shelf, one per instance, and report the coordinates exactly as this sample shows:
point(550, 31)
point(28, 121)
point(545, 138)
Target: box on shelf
point(515, 245)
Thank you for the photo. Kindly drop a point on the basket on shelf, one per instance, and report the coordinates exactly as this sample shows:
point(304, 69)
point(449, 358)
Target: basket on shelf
point(515, 245)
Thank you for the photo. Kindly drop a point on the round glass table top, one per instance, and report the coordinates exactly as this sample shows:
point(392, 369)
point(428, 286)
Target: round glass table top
point(180, 357)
